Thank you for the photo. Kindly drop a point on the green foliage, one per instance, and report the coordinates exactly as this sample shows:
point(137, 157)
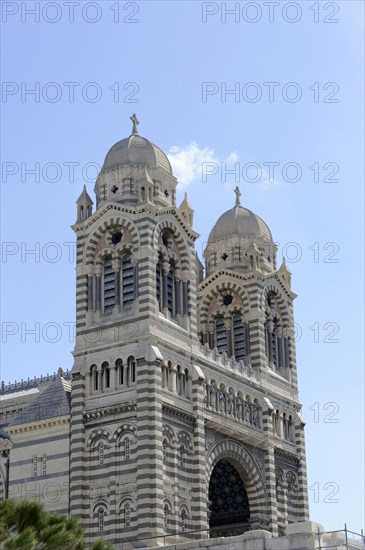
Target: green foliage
point(25, 525)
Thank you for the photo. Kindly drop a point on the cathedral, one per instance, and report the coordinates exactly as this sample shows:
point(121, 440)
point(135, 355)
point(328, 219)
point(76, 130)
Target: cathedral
point(180, 419)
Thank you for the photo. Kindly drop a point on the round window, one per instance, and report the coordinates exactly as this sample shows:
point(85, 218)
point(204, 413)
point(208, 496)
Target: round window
point(116, 237)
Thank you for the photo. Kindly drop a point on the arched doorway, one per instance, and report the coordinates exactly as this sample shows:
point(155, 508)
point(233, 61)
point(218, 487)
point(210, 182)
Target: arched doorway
point(229, 507)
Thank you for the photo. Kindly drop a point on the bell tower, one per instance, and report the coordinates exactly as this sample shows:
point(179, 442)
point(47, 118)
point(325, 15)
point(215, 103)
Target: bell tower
point(136, 328)
point(246, 318)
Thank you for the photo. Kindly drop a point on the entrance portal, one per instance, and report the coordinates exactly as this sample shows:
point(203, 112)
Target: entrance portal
point(230, 511)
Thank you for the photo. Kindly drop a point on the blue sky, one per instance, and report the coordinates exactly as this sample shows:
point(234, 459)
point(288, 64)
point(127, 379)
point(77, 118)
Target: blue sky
point(298, 103)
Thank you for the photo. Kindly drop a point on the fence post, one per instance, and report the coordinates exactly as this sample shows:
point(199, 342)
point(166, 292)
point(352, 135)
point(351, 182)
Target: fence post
point(346, 538)
point(319, 539)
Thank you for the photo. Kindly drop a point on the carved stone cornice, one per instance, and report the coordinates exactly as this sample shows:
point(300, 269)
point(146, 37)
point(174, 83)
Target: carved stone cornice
point(178, 413)
point(216, 274)
point(109, 410)
point(287, 457)
point(31, 426)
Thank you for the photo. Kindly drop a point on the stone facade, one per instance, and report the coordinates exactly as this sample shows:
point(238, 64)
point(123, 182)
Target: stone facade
point(184, 417)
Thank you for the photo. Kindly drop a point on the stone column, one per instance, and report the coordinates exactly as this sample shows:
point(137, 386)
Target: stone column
point(247, 339)
point(89, 382)
point(135, 275)
point(204, 333)
point(113, 377)
point(90, 292)
point(199, 489)
point(211, 334)
point(302, 501)
point(185, 298)
point(270, 328)
point(149, 448)
point(285, 347)
point(79, 489)
point(228, 327)
point(270, 478)
point(177, 292)
point(280, 348)
point(98, 289)
point(256, 319)
point(173, 378)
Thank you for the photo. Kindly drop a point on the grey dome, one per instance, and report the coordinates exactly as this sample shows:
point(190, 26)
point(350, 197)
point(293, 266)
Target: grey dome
point(136, 150)
point(239, 221)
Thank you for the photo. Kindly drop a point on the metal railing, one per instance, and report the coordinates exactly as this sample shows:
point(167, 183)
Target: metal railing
point(30, 383)
point(350, 540)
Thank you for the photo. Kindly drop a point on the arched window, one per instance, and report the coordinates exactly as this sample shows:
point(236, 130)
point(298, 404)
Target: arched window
point(183, 516)
point(171, 289)
point(285, 427)
point(127, 448)
point(182, 455)
point(164, 448)
point(159, 283)
point(168, 374)
point(276, 422)
point(182, 381)
point(35, 466)
point(128, 281)
point(166, 516)
point(186, 383)
point(44, 464)
point(168, 287)
point(131, 370)
point(101, 452)
point(105, 373)
point(275, 351)
point(239, 337)
point(166, 237)
point(256, 414)
point(109, 286)
point(221, 335)
point(290, 428)
point(127, 515)
point(120, 371)
point(128, 185)
point(178, 380)
point(101, 517)
point(94, 376)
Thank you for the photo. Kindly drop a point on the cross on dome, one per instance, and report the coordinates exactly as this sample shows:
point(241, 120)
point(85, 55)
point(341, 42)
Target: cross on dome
point(238, 195)
point(135, 121)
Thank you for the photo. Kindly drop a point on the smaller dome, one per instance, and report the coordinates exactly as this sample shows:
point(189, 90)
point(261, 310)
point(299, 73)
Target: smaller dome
point(138, 151)
point(239, 221)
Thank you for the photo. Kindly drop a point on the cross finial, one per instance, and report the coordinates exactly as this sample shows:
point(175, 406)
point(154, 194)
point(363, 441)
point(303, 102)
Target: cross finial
point(135, 121)
point(238, 194)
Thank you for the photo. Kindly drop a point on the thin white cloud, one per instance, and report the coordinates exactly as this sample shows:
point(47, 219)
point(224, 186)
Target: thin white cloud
point(192, 163)
point(188, 161)
point(267, 180)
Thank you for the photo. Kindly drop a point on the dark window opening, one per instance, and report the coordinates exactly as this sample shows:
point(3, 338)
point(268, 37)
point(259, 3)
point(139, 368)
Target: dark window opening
point(109, 286)
point(221, 334)
point(116, 237)
point(230, 511)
